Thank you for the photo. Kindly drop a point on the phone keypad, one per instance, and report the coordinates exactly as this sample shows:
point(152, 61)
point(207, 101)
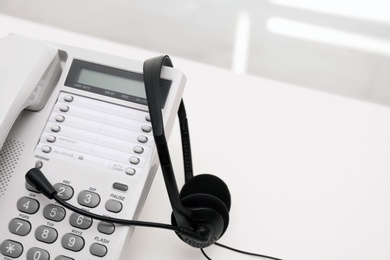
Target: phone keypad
point(48, 234)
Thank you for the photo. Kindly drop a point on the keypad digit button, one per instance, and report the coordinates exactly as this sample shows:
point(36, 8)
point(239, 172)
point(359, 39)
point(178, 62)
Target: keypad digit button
point(19, 227)
point(80, 221)
point(88, 199)
point(61, 257)
point(54, 212)
point(28, 205)
point(65, 192)
point(98, 250)
point(72, 242)
point(36, 253)
point(114, 206)
point(106, 228)
point(46, 234)
point(147, 118)
point(11, 248)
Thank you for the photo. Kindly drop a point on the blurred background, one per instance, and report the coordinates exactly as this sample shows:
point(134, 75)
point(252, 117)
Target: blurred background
point(336, 46)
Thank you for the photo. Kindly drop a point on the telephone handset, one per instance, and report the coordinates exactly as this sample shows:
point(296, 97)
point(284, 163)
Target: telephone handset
point(82, 118)
point(28, 70)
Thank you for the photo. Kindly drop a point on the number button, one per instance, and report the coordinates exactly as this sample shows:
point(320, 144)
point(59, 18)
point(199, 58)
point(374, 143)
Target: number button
point(19, 227)
point(72, 242)
point(61, 257)
point(54, 212)
point(46, 234)
point(88, 199)
point(11, 248)
point(28, 205)
point(36, 253)
point(65, 192)
point(80, 221)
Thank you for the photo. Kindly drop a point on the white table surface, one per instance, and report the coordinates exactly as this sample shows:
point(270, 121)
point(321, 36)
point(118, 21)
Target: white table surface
point(309, 172)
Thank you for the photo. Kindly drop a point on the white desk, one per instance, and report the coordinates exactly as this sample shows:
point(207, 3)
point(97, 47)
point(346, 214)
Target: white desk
point(309, 172)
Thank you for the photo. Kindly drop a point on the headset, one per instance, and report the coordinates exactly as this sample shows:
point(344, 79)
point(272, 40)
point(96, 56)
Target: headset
point(201, 210)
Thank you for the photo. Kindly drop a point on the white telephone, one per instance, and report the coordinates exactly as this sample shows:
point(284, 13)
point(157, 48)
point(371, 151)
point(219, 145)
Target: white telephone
point(82, 118)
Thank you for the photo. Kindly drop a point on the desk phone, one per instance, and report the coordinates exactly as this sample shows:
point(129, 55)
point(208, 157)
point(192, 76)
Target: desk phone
point(81, 117)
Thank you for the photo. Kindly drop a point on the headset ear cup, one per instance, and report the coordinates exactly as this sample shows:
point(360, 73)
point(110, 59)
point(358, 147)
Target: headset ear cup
point(207, 184)
point(207, 191)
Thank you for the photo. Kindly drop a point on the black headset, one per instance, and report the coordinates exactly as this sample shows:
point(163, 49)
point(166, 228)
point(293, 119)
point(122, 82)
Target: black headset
point(201, 209)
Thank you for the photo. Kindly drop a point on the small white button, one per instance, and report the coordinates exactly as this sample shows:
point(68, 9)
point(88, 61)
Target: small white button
point(68, 98)
point(51, 138)
point(142, 139)
point(38, 164)
point(147, 117)
point(60, 118)
point(55, 128)
point(64, 108)
point(146, 128)
point(134, 160)
point(138, 149)
point(46, 149)
point(130, 171)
